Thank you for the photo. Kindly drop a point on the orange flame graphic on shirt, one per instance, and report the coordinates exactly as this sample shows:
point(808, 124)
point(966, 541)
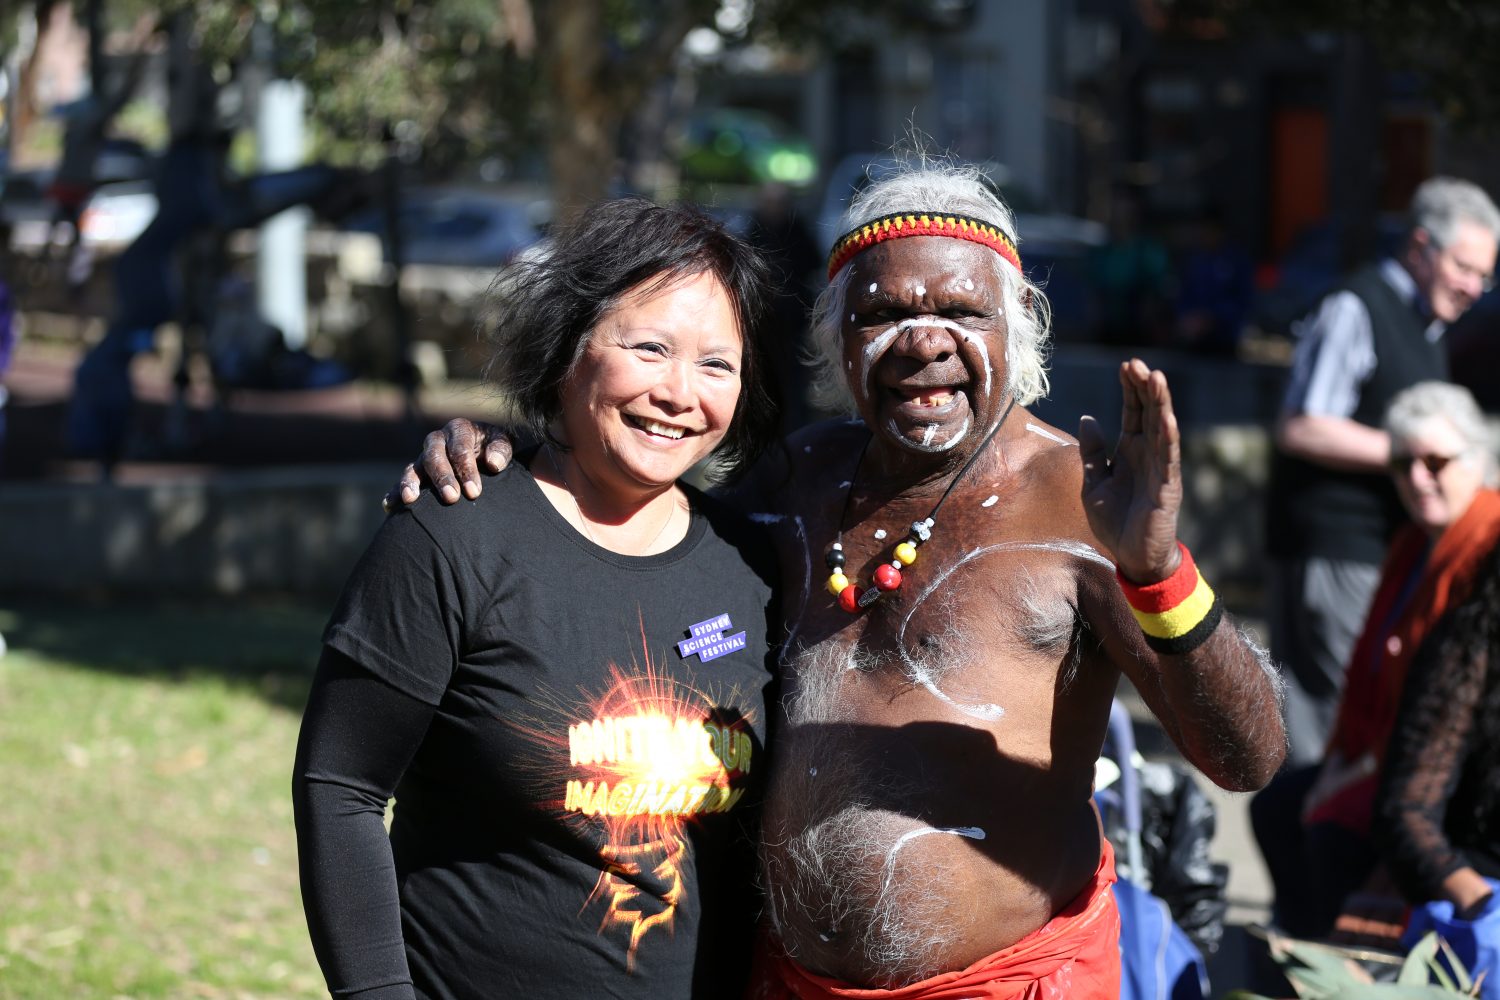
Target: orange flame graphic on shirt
point(652, 757)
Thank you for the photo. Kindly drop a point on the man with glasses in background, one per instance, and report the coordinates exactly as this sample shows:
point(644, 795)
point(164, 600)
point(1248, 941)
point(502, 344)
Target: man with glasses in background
point(1332, 508)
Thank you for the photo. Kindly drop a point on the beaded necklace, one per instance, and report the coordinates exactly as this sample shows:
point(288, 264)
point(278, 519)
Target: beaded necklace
point(888, 575)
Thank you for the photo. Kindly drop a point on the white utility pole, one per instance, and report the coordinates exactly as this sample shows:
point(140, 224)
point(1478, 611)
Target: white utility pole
point(281, 260)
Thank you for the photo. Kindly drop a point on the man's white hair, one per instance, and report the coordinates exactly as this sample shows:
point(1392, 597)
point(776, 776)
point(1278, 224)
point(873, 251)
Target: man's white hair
point(937, 188)
point(1442, 203)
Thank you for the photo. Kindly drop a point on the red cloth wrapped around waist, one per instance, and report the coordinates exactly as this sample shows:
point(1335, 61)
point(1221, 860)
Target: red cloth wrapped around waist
point(1076, 954)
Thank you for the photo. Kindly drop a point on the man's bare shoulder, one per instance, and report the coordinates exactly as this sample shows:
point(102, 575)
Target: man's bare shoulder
point(1029, 500)
point(828, 449)
point(798, 466)
point(833, 433)
point(1049, 478)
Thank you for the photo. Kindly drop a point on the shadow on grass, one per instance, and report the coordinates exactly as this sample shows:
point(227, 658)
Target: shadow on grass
point(269, 647)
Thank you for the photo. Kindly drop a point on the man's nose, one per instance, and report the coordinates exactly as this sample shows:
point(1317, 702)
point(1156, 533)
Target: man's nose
point(925, 342)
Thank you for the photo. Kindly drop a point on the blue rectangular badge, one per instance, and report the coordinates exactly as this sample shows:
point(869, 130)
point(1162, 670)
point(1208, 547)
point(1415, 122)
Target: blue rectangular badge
point(707, 640)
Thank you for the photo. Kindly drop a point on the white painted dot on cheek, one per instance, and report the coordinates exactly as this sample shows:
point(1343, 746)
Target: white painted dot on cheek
point(879, 534)
point(990, 502)
point(921, 290)
point(873, 287)
point(968, 284)
point(851, 317)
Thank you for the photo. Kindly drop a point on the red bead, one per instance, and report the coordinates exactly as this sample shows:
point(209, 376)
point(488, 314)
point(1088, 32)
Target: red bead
point(887, 577)
point(849, 598)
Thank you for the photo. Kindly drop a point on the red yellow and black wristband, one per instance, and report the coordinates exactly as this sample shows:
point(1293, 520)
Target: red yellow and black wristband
point(1177, 614)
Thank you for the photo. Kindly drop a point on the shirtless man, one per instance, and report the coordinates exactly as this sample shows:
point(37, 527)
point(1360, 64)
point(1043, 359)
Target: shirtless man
point(930, 808)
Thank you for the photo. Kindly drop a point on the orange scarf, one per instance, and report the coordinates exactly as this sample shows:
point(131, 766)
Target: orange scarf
point(1393, 634)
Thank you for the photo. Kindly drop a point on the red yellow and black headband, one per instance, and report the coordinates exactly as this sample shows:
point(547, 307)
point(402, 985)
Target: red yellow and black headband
point(901, 224)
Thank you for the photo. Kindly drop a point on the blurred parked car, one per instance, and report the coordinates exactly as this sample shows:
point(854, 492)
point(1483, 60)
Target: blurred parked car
point(113, 216)
point(117, 213)
point(735, 146)
point(461, 228)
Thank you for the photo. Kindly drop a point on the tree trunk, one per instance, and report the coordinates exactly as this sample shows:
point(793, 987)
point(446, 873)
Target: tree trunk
point(595, 87)
point(23, 106)
point(585, 120)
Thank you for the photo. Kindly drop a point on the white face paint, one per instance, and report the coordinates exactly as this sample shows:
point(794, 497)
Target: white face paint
point(968, 284)
point(921, 290)
point(984, 352)
point(1044, 432)
point(928, 434)
point(876, 347)
point(873, 350)
point(890, 425)
point(873, 287)
point(990, 502)
point(879, 534)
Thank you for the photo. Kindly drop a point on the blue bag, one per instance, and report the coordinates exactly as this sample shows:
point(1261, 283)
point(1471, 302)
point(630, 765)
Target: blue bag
point(1158, 961)
point(1476, 942)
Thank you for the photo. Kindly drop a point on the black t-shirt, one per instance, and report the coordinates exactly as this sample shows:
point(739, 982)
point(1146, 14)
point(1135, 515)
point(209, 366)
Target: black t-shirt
point(568, 824)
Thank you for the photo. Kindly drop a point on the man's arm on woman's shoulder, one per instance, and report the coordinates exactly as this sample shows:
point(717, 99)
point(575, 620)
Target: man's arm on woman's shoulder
point(451, 461)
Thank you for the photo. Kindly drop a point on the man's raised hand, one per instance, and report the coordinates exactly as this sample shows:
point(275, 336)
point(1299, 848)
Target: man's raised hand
point(1132, 500)
point(450, 462)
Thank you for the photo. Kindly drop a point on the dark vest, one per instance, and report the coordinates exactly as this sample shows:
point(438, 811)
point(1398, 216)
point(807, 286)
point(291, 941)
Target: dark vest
point(1317, 511)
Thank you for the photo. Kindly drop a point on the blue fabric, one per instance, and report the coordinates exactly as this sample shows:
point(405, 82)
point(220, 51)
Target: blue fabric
point(1476, 942)
point(1157, 959)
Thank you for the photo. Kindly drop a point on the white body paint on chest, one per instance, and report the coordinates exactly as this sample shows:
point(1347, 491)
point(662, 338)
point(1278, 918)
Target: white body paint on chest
point(971, 832)
point(921, 673)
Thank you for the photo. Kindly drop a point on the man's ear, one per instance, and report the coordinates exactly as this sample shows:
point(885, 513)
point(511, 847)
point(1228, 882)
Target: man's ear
point(1418, 243)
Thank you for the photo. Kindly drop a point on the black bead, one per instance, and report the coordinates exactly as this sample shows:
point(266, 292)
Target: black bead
point(834, 558)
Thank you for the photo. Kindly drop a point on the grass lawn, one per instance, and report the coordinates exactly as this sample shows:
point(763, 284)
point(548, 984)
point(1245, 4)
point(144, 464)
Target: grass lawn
point(146, 843)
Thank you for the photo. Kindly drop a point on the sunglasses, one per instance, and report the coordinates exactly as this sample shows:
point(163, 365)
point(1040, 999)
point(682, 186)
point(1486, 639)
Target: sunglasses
point(1400, 465)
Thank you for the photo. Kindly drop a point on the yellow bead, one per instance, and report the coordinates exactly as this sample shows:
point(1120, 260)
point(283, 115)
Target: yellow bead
point(836, 584)
point(907, 553)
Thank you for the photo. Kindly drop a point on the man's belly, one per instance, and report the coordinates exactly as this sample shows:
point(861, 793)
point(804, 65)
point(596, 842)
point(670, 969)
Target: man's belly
point(894, 853)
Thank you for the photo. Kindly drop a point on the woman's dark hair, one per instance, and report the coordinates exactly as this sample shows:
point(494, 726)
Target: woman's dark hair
point(1467, 639)
point(544, 309)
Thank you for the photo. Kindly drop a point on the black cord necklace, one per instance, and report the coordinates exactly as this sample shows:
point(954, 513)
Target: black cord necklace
point(888, 575)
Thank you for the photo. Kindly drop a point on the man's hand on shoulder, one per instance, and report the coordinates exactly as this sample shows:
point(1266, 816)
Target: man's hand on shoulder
point(451, 461)
point(1132, 500)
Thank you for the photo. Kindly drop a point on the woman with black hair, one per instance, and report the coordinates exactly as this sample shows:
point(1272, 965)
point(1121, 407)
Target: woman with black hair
point(1438, 809)
point(562, 682)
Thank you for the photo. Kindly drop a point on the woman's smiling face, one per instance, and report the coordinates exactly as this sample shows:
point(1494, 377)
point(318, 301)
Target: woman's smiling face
point(656, 388)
